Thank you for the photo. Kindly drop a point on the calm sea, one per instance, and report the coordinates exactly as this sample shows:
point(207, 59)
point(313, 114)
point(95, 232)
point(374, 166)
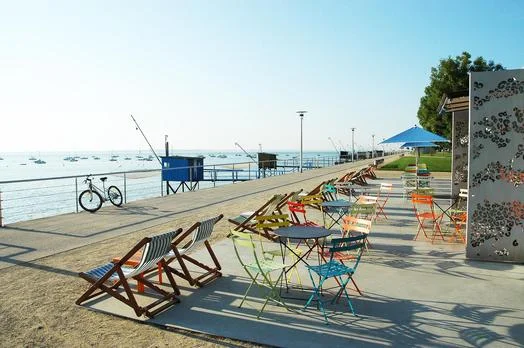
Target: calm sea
point(35, 199)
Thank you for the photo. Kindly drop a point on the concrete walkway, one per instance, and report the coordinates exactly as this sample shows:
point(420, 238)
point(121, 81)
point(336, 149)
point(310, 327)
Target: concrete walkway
point(415, 293)
point(32, 240)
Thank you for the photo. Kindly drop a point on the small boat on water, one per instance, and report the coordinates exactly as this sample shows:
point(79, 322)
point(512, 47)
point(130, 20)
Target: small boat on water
point(212, 155)
point(39, 161)
point(222, 156)
point(127, 158)
point(32, 158)
point(1, 159)
point(23, 164)
point(112, 159)
point(96, 157)
point(83, 157)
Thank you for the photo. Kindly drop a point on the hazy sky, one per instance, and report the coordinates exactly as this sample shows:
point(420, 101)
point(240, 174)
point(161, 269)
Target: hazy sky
point(212, 73)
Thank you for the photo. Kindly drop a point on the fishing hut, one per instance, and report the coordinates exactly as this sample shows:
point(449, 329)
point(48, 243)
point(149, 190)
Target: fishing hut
point(266, 162)
point(187, 171)
point(344, 157)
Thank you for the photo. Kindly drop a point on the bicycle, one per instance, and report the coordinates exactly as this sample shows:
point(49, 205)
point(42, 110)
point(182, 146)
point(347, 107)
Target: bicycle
point(91, 199)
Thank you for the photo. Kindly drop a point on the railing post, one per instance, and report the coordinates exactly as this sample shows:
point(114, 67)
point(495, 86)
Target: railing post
point(214, 176)
point(249, 171)
point(233, 173)
point(125, 188)
point(1, 220)
point(76, 193)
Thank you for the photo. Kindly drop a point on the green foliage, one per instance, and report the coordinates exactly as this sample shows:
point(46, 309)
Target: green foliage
point(434, 163)
point(451, 75)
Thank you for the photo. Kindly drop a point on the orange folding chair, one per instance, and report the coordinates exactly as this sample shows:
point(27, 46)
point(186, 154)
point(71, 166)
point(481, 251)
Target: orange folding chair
point(382, 198)
point(425, 212)
point(351, 227)
point(459, 223)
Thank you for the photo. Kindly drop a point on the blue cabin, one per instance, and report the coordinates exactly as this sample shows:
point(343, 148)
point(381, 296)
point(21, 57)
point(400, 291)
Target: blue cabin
point(181, 168)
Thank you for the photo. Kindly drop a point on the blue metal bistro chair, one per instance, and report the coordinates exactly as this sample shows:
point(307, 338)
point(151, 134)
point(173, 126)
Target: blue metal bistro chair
point(337, 270)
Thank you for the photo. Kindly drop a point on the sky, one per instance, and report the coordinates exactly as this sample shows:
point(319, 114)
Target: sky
point(212, 73)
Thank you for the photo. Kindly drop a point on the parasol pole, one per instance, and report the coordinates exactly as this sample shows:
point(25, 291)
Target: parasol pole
point(416, 165)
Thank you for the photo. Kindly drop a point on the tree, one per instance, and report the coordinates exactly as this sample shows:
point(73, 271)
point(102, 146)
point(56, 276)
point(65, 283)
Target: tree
point(451, 75)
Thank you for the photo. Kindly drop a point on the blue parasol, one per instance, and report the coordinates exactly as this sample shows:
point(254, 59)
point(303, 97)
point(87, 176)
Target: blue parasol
point(426, 144)
point(415, 135)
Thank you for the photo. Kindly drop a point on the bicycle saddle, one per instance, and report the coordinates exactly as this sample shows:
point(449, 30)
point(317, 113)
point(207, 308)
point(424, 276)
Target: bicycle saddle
point(103, 178)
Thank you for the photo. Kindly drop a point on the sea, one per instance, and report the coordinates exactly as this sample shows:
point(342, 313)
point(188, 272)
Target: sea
point(136, 173)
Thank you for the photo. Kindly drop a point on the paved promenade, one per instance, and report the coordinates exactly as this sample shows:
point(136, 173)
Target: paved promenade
point(32, 240)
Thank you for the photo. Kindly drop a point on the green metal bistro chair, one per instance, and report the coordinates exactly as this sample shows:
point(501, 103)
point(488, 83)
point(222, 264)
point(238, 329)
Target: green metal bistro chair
point(337, 270)
point(259, 269)
point(270, 222)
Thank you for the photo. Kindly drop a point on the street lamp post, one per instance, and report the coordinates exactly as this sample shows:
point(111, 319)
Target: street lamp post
point(352, 144)
point(301, 115)
point(372, 145)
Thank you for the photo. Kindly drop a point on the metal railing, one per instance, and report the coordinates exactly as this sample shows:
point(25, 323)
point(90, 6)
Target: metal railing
point(35, 198)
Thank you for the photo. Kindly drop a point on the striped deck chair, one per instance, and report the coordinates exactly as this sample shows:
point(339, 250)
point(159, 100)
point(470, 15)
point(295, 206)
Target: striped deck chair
point(109, 277)
point(247, 221)
point(200, 232)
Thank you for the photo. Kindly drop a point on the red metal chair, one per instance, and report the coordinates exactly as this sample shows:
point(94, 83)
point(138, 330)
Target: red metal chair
point(298, 214)
point(425, 212)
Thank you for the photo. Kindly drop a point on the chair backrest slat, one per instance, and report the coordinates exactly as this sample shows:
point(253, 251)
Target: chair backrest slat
point(272, 206)
point(204, 231)
point(271, 221)
point(158, 247)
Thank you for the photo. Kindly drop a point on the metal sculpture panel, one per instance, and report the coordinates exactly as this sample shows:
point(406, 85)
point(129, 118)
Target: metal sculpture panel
point(460, 136)
point(496, 166)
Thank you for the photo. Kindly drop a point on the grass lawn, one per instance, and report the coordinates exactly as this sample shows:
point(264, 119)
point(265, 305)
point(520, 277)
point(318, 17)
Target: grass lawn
point(434, 163)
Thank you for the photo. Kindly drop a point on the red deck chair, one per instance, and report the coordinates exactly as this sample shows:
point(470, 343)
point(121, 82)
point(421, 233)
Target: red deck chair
point(425, 212)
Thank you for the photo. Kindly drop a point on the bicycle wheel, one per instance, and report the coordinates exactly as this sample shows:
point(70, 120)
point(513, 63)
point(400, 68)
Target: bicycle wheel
point(90, 201)
point(115, 196)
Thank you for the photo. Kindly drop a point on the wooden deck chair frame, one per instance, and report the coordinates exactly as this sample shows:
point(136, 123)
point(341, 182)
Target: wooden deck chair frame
point(249, 223)
point(108, 278)
point(199, 232)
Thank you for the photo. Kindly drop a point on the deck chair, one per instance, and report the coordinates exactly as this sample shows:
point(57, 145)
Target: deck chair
point(337, 270)
point(360, 177)
point(247, 221)
point(109, 277)
point(425, 212)
point(259, 269)
point(191, 239)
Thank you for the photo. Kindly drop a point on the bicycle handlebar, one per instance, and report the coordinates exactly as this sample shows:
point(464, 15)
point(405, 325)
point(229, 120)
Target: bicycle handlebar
point(87, 179)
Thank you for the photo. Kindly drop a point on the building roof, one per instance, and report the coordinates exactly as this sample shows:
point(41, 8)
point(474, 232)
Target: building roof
point(454, 101)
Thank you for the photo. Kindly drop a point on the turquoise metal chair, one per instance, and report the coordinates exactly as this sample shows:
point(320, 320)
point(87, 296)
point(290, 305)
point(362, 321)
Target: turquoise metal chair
point(337, 270)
